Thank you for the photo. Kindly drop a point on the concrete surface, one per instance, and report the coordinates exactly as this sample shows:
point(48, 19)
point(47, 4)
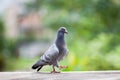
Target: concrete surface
point(81, 75)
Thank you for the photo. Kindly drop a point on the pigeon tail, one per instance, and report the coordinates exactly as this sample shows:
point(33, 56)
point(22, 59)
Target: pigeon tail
point(35, 66)
point(38, 64)
point(39, 68)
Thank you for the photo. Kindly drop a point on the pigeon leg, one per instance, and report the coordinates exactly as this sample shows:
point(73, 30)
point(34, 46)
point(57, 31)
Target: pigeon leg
point(61, 67)
point(54, 71)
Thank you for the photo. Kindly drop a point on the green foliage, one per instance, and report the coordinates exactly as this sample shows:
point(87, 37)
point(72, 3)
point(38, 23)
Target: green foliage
point(1, 35)
point(2, 57)
point(90, 55)
point(94, 30)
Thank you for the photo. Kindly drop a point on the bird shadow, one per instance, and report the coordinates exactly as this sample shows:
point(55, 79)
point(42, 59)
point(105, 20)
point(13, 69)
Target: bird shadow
point(45, 73)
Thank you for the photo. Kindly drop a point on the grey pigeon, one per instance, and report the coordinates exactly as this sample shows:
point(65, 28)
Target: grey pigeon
point(55, 52)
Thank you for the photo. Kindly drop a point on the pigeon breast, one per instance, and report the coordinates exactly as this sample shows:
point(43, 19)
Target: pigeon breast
point(60, 43)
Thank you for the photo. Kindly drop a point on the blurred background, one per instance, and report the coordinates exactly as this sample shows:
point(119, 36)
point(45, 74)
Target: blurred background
point(28, 28)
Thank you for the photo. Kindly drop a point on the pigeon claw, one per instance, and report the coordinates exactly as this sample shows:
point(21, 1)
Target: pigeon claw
point(62, 67)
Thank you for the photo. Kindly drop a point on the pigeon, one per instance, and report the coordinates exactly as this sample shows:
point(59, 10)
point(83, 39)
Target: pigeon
point(55, 53)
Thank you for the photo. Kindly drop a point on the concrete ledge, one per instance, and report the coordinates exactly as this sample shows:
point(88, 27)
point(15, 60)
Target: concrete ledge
point(81, 75)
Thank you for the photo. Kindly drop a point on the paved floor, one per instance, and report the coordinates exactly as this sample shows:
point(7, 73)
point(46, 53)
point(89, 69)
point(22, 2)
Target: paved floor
point(81, 75)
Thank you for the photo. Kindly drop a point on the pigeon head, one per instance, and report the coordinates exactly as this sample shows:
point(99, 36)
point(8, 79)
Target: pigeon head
point(63, 30)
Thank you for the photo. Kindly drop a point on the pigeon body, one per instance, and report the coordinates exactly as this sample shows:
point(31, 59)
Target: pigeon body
point(55, 52)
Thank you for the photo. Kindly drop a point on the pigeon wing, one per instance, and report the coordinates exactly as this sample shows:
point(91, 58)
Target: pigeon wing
point(51, 55)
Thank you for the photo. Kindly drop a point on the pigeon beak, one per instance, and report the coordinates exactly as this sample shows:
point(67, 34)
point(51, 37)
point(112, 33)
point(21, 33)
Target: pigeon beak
point(66, 32)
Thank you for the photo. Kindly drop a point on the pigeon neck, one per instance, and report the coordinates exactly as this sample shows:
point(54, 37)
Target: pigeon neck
point(60, 42)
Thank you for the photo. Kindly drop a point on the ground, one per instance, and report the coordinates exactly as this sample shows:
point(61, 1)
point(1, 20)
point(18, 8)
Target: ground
point(81, 75)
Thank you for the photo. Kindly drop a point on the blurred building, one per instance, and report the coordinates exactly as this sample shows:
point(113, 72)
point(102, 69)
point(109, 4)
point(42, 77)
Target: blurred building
point(30, 24)
point(21, 23)
point(18, 20)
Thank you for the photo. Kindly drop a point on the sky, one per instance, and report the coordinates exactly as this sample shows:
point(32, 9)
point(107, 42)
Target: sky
point(4, 4)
